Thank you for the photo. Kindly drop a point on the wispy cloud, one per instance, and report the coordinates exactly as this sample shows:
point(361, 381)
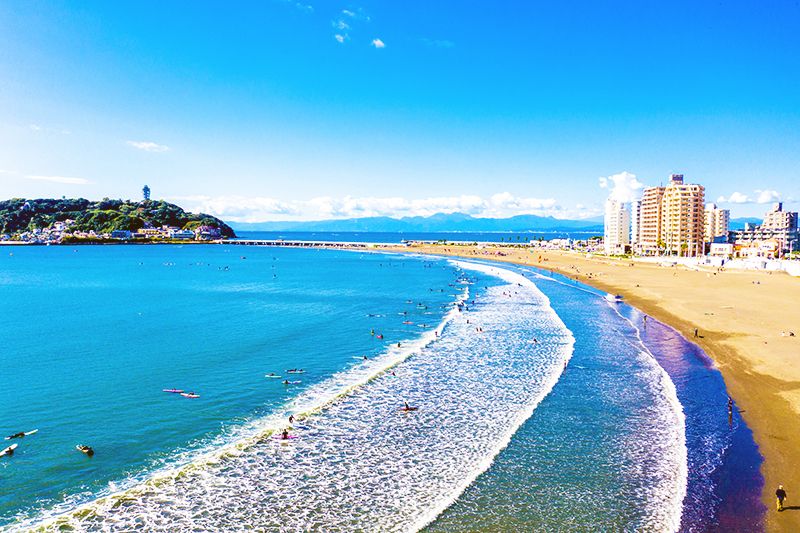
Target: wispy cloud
point(60, 179)
point(46, 129)
point(148, 146)
point(377, 43)
point(624, 186)
point(762, 196)
point(307, 8)
point(261, 209)
point(345, 22)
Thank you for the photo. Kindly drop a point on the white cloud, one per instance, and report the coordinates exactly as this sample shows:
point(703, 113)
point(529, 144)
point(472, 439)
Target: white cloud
point(341, 38)
point(261, 209)
point(735, 198)
point(348, 13)
point(763, 196)
point(624, 186)
point(340, 25)
point(148, 146)
point(35, 127)
point(59, 179)
point(767, 196)
point(377, 43)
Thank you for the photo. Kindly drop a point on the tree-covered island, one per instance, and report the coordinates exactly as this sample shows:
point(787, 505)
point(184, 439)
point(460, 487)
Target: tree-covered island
point(80, 220)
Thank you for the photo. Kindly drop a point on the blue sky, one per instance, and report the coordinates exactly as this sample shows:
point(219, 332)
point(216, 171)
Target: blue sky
point(303, 109)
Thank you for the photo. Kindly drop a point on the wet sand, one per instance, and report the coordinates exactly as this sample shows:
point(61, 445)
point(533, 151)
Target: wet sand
point(742, 320)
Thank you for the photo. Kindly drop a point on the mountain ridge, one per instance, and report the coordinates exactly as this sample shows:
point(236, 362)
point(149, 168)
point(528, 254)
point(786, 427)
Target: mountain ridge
point(439, 222)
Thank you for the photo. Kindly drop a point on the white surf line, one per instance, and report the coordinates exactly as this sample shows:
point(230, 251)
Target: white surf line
point(331, 390)
point(523, 416)
point(668, 386)
point(678, 495)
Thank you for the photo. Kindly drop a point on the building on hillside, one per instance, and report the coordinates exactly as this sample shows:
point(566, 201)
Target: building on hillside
point(181, 234)
point(123, 234)
point(617, 227)
point(636, 215)
point(717, 223)
point(649, 238)
point(779, 231)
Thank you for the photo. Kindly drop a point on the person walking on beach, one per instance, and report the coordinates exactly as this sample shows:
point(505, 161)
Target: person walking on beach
point(780, 494)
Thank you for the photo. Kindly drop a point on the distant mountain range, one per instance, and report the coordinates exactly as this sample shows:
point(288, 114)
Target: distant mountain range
point(441, 222)
point(738, 223)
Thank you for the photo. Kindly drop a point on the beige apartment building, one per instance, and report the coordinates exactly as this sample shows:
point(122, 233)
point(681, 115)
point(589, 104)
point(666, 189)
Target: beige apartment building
point(672, 219)
point(649, 239)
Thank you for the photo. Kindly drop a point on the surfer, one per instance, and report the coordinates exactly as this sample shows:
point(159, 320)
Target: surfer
point(291, 418)
point(88, 450)
point(407, 408)
point(16, 435)
point(285, 434)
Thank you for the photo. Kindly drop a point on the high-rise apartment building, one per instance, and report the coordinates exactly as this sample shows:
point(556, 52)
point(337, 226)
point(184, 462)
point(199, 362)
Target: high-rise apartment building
point(683, 218)
point(672, 219)
point(780, 220)
point(636, 215)
point(717, 222)
point(649, 240)
point(617, 227)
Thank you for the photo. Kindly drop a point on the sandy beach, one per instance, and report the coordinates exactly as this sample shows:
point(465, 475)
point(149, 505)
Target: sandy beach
point(743, 320)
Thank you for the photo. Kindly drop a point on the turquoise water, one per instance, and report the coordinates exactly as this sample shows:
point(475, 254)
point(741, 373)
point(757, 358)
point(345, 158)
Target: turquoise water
point(541, 406)
point(91, 336)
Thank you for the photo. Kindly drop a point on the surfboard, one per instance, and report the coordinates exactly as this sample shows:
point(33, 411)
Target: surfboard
point(23, 435)
point(9, 450)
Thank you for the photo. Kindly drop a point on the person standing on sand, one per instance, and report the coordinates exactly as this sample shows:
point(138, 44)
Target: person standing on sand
point(780, 494)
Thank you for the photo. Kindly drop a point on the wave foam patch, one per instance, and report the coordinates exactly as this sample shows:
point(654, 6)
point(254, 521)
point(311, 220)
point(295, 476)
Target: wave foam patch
point(361, 463)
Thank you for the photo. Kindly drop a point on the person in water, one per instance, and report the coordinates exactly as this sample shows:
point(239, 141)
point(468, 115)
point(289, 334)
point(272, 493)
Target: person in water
point(86, 449)
point(16, 435)
point(780, 494)
point(285, 434)
point(291, 418)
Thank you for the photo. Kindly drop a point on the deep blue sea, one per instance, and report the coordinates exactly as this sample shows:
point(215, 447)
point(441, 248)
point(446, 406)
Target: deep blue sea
point(540, 406)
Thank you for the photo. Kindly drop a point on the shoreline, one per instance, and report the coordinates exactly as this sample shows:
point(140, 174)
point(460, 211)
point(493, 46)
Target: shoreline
point(764, 390)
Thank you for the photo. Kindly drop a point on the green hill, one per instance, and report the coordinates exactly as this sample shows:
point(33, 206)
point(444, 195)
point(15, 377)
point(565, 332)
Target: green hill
point(19, 215)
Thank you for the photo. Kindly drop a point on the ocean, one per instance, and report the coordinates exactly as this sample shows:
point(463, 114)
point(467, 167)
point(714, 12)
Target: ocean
point(540, 406)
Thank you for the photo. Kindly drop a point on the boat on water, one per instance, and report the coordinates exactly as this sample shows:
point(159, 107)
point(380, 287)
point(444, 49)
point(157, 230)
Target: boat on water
point(614, 298)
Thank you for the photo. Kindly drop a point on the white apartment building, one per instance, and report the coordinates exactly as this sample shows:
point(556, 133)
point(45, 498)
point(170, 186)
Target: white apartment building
point(717, 222)
point(616, 236)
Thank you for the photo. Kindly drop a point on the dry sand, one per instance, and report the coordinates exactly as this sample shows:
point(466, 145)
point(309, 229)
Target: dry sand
point(740, 316)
